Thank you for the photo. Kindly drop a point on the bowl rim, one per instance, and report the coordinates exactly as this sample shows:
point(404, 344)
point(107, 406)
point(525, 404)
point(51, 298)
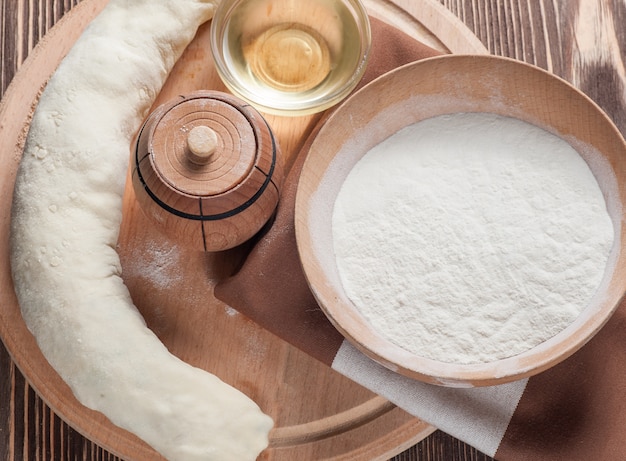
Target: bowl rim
point(313, 105)
point(531, 362)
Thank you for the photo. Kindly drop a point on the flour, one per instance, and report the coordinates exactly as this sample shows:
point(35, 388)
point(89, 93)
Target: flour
point(468, 238)
point(157, 263)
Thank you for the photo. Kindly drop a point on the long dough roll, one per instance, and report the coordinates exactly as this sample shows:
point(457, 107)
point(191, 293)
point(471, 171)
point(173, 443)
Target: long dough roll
point(65, 225)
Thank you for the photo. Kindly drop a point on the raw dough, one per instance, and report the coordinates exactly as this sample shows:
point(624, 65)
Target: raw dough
point(65, 224)
point(471, 237)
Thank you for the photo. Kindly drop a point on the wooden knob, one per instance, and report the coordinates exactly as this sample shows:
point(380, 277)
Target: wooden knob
point(202, 143)
point(207, 170)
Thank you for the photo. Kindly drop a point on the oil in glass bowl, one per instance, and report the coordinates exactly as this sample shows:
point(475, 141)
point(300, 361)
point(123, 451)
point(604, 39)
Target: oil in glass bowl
point(291, 57)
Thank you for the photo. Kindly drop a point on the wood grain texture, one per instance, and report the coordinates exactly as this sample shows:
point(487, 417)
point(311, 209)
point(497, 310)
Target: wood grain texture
point(579, 40)
point(582, 41)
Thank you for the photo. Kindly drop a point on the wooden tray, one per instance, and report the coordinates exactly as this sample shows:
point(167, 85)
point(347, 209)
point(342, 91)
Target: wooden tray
point(319, 414)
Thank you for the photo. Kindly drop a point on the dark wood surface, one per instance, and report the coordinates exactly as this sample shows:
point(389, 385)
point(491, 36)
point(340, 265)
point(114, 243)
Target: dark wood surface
point(582, 41)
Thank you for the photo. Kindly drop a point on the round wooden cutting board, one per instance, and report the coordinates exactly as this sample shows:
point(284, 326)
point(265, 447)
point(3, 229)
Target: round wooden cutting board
point(318, 413)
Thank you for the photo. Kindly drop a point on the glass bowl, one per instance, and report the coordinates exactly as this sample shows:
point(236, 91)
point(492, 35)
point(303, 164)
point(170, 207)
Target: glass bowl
point(289, 57)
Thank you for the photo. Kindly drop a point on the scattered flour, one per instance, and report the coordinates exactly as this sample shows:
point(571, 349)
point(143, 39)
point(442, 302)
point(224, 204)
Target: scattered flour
point(156, 263)
point(230, 311)
point(467, 238)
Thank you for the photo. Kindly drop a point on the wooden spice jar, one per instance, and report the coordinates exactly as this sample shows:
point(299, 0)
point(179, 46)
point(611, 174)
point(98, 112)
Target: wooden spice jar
point(207, 170)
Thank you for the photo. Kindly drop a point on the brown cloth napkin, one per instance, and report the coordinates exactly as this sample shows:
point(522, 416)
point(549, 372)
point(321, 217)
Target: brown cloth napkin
point(575, 411)
point(271, 288)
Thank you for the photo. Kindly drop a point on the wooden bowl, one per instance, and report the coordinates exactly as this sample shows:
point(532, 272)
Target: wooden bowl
point(445, 85)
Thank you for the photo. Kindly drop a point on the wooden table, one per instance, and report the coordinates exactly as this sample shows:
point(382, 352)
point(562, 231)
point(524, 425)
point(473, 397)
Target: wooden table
point(583, 41)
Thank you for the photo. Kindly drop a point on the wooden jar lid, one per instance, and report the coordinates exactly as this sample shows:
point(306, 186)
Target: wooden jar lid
point(207, 170)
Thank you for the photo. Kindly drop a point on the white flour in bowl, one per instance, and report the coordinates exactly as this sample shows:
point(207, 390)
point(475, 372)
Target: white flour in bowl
point(468, 238)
